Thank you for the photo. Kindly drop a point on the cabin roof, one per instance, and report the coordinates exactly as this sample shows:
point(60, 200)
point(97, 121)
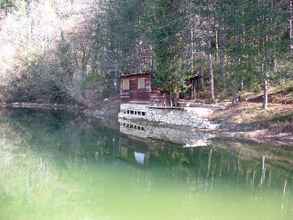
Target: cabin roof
point(126, 75)
point(194, 76)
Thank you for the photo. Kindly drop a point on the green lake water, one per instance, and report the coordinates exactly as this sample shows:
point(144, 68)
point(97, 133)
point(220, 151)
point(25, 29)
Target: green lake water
point(57, 166)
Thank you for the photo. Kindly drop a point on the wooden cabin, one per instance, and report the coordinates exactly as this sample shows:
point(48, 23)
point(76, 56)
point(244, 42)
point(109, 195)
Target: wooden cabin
point(136, 87)
point(194, 85)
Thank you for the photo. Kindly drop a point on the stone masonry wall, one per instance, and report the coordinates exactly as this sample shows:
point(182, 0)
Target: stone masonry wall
point(196, 117)
point(185, 136)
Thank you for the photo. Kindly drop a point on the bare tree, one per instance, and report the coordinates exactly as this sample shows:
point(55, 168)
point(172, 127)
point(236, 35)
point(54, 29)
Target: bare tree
point(291, 25)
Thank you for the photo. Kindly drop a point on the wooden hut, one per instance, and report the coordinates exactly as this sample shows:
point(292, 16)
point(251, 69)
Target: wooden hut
point(194, 83)
point(136, 87)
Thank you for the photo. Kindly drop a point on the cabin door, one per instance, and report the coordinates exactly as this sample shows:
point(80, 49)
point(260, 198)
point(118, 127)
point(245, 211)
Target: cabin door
point(133, 84)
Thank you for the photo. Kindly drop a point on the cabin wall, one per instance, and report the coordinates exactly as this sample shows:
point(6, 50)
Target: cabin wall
point(134, 92)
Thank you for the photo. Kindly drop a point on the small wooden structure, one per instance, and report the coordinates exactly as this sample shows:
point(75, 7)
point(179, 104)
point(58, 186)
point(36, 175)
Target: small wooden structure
point(136, 87)
point(194, 84)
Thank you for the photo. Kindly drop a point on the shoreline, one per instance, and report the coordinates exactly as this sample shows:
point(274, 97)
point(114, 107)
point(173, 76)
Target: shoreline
point(226, 129)
point(260, 137)
point(248, 121)
point(40, 106)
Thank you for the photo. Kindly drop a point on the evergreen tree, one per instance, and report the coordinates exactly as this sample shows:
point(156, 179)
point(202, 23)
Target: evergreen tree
point(163, 23)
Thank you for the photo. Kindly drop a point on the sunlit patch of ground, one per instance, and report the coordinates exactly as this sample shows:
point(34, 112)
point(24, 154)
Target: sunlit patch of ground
point(253, 113)
point(250, 120)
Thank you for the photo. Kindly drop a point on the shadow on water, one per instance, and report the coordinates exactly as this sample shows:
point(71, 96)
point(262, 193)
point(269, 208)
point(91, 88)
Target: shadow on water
point(56, 160)
point(77, 136)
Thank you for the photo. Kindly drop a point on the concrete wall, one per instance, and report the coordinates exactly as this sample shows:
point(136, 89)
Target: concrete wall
point(196, 117)
point(187, 137)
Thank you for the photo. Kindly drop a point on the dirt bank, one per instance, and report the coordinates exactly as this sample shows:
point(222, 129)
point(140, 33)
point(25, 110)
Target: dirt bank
point(246, 121)
point(250, 121)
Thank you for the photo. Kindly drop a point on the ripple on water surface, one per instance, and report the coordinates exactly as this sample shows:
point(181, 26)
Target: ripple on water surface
point(57, 166)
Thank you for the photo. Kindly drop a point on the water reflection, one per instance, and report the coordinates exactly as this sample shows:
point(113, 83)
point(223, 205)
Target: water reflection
point(139, 157)
point(58, 166)
point(188, 137)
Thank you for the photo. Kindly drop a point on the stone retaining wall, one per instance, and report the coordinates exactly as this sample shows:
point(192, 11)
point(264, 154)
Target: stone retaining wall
point(196, 117)
point(186, 137)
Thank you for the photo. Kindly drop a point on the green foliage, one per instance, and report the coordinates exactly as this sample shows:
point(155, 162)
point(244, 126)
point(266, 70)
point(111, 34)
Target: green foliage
point(38, 82)
point(255, 36)
point(251, 37)
point(251, 34)
point(121, 30)
point(163, 23)
point(6, 4)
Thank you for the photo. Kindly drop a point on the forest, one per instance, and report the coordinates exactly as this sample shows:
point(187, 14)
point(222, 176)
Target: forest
point(75, 50)
point(146, 109)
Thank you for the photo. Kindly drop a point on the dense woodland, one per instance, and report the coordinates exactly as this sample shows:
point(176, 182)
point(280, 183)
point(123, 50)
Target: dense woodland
point(74, 50)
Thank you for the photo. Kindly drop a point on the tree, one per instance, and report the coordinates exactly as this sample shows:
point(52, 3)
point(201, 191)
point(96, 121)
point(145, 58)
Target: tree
point(122, 33)
point(291, 25)
point(6, 4)
point(164, 23)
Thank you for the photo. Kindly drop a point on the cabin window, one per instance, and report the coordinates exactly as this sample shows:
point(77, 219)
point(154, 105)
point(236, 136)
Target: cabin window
point(141, 83)
point(125, 84)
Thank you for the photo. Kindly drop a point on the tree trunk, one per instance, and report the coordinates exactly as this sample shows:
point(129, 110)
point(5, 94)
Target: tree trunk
point(265, 92)
point(222, 67)
point(263, 171)
point(194, 91)
point(212, 84)
point(201, 86)
point(209, 162)
point(192, 47)
point(222, 54)
point(217, 43)
point(171, 99)
point(291, 26)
